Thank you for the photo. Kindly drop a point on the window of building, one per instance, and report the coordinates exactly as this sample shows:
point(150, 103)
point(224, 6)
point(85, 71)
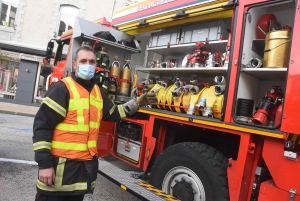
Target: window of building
point(67, 15)
point(8, 13)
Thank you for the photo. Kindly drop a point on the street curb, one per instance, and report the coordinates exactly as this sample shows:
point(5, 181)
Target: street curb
point(17, 113)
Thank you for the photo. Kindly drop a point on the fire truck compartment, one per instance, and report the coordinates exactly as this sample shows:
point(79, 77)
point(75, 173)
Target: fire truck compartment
point(256, 80)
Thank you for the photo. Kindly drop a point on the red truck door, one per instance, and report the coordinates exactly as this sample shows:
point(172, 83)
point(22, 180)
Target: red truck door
point(291, 111)
point(105, 139)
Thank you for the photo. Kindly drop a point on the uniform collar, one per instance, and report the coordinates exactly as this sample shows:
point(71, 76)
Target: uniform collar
point(82, 82)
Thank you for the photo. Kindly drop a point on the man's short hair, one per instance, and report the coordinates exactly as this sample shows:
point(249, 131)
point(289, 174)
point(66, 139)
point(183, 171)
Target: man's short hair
point(83, 48)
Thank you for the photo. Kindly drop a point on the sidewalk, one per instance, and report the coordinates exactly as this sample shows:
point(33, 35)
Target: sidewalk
point(11, 107)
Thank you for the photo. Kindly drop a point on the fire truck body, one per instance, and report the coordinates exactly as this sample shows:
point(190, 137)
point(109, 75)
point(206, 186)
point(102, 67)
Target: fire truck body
point(245, 147)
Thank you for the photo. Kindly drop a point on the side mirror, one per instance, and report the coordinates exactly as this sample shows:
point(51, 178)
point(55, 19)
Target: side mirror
point(49, 51)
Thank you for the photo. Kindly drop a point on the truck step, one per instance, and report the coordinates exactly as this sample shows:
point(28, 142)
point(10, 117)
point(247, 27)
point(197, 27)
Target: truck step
point(137, 187)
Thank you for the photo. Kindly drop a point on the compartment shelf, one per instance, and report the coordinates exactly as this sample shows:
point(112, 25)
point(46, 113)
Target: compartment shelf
point(111, 44)
point(179, 50)
point(84, 30)
point(278, 74)
point(208, 71)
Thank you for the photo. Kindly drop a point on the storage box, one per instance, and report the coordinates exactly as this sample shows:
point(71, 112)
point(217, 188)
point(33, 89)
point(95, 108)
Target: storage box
point(128, 150)
point(201, 32)
point(163, 38)
point(129, 130)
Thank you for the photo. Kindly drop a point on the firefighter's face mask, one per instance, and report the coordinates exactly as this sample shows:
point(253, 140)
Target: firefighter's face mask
point(86, 71)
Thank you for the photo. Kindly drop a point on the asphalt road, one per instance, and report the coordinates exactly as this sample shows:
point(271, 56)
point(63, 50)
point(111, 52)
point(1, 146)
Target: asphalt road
point(17, 180)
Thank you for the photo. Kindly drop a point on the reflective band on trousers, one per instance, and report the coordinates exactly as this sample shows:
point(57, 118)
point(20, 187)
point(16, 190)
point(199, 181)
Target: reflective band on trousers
point(93, 184)
point(58, 185)
point(70, 187)
point(76, 137)
point(60, 171)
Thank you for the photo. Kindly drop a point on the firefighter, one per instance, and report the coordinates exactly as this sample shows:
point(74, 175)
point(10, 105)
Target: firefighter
point(65, 131)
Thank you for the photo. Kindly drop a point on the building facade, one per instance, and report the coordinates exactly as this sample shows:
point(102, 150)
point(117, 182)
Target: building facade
point(26, 26)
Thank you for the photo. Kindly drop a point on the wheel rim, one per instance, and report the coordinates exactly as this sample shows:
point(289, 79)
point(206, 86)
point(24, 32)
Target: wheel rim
point(180, 177)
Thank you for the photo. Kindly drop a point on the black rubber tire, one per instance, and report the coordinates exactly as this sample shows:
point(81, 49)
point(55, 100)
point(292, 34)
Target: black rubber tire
point(208, 163)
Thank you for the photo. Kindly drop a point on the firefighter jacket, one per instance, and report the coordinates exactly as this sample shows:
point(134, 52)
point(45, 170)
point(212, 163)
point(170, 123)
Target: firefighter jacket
point(60, 126)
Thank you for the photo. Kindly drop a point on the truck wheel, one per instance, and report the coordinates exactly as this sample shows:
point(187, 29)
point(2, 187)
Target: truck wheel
point(191, 171)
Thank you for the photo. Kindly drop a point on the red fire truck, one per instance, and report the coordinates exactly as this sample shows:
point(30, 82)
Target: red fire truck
point(226, 125)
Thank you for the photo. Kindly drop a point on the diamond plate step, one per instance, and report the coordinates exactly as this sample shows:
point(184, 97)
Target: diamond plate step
point(137, 187)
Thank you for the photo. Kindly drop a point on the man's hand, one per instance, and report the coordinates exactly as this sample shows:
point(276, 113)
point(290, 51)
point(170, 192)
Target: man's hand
point(147, 99)
point(47, 176)
point(133, 105)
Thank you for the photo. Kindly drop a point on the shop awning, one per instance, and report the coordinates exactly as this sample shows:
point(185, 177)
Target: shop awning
point(149, 15)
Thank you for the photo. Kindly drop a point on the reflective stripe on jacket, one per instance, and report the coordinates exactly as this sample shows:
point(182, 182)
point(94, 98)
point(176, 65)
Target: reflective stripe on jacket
point(76, 137)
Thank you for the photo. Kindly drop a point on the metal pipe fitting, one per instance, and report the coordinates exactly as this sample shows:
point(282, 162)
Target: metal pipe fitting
point(219, 89)
point(185, 89)
point(255, 63)
point(178, 83)
point(220, 80)
point(194, 90)
point(155, 90)
point(194, 79)
point(191, 110)
point(161, 83)
point(176, 93)
point(197, 88)
point(208, 112)
point(202, 103)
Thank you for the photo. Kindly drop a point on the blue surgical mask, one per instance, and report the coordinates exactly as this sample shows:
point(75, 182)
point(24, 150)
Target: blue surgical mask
point(85, 71)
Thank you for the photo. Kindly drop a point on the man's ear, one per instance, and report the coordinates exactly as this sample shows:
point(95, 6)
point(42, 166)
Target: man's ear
point(74, 65)
point(74, 68)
